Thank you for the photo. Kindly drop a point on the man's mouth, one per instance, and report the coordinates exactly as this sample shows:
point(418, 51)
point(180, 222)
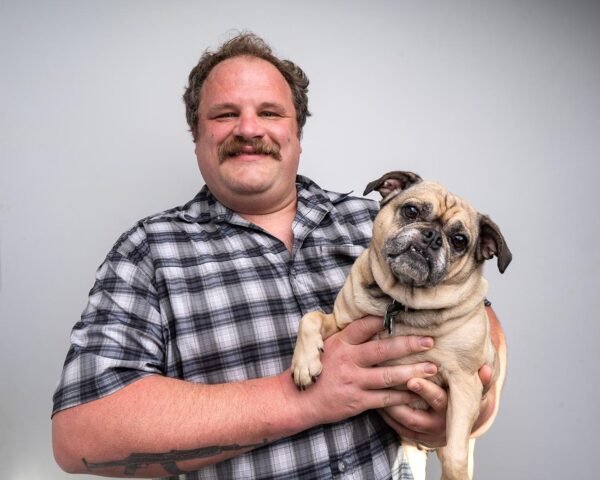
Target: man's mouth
point(246, 151)
point(237, 147)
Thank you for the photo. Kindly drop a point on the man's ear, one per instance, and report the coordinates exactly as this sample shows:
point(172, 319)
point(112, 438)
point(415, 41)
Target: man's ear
point(491, 242)
point(392, 183)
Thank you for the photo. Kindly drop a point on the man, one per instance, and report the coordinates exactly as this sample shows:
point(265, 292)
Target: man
point(180, 363)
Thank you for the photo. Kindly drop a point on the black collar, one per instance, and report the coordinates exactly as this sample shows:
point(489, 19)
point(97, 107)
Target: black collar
point(394, 308)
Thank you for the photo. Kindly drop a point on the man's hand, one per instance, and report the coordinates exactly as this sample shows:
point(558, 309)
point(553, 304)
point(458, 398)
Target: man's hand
point(354, 379)
point(428, 427)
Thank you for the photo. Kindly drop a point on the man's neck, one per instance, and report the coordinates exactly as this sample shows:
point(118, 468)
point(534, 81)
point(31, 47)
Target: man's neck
point(277, 223)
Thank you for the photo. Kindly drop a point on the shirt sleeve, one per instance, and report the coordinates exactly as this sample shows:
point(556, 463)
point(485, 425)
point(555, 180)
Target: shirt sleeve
point(119, 338)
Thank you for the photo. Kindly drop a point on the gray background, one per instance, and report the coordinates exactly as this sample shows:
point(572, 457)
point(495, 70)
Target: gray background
point(500, 101)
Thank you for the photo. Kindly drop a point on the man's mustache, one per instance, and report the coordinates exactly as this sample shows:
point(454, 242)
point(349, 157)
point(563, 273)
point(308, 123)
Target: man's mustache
point(236, 146)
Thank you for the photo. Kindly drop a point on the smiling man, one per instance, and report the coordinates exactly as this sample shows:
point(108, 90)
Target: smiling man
point(247, 142)
point(179, 365)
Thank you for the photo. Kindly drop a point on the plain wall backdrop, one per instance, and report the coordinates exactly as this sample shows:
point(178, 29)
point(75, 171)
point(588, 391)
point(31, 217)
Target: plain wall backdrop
point(500, 101)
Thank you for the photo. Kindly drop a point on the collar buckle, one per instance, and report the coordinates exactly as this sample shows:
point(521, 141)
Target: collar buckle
point(392, 310)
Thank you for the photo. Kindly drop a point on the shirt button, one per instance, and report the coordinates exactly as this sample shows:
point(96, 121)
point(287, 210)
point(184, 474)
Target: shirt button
point(342, 466)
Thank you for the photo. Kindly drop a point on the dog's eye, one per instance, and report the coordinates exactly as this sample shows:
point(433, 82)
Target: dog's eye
point(459, 242)
point(410, 211)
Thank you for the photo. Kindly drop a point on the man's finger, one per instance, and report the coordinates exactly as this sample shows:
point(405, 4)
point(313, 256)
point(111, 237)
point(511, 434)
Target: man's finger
point(422, 438)
point(434, 395)
point(361, 330)
point(389, 376)
point(485, 375)
point(384, 350)
point(386, 398)
point(415, 421)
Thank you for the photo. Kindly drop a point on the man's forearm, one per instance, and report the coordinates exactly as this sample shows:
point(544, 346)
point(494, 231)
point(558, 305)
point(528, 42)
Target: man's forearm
point(491, 401)
point(158, 426)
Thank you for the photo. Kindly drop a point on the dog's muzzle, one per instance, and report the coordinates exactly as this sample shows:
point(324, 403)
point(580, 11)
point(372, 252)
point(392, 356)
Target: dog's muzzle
point(416, 256)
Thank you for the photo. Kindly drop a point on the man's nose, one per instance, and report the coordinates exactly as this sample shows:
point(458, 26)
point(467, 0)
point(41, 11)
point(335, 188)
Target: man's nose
point(249, 125)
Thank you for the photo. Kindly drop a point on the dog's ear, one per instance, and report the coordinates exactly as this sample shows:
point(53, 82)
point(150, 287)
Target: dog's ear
point(491, 242)
point(392, 182)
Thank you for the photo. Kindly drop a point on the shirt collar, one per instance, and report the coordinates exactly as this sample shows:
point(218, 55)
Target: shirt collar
point(312, 199)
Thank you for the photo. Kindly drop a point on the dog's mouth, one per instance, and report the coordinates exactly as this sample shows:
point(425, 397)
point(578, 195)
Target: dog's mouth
point(417, 251)
point(415, 266)
point(410, 266)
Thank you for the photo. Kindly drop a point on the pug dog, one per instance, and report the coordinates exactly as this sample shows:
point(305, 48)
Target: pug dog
point(423, 272)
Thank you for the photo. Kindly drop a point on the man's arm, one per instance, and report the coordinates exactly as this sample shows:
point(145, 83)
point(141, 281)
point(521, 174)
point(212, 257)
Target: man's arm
point(157, 425)
point(429, 426)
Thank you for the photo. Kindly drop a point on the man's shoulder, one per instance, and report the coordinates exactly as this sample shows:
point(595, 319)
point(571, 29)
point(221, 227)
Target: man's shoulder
point(345, 204)
point(163, 226)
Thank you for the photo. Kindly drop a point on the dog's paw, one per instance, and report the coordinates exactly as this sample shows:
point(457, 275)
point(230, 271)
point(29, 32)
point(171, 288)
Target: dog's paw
point(306, 366)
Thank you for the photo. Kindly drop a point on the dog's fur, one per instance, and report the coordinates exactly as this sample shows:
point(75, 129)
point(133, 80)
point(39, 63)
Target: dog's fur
point(427, 253)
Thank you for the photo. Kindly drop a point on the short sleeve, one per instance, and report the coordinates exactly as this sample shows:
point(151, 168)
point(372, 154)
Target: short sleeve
point(119, 338)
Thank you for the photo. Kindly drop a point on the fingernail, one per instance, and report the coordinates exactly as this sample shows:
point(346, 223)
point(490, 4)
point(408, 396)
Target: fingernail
point(430, 368)
point(426, 342)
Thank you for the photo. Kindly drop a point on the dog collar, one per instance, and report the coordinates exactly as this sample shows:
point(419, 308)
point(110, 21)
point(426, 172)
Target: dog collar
point(392, 310)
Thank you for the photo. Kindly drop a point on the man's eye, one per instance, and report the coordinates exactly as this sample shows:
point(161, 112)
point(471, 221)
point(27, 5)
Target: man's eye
point(269, 114)
point(410, 211)
point(226, 115)
point(459, 242)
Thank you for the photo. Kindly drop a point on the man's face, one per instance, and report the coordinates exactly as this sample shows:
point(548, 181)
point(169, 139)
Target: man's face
point(247, 143)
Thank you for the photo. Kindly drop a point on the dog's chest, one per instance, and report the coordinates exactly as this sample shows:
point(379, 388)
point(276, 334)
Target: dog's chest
point(459, 345)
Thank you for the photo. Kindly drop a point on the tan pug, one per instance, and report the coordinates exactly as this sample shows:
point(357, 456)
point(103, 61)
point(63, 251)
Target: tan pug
point(423, 272)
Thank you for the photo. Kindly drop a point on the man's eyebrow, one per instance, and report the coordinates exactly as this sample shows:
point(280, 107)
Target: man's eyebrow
point(219, 107)
point(272, 105)
point(222, 106)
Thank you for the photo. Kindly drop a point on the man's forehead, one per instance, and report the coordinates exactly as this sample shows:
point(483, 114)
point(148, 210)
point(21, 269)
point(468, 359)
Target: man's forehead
point(254, 71)
point(245, 79)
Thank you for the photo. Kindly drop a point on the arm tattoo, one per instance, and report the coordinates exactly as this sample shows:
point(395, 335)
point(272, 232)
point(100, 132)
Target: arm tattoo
point(167, 460)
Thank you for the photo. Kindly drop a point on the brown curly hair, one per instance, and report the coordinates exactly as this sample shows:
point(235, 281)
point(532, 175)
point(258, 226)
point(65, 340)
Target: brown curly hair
point(245, 43)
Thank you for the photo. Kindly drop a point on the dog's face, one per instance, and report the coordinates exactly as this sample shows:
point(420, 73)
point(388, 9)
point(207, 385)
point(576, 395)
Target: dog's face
point(426, 236)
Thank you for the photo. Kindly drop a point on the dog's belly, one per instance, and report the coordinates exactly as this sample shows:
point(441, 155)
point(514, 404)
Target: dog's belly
point(460, 347)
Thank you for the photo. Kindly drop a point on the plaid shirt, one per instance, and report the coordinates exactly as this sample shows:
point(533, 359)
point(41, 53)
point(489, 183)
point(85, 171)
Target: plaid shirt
point(200, 294)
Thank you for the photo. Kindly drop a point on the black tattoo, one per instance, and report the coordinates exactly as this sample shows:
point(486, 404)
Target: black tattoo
point(167, 460)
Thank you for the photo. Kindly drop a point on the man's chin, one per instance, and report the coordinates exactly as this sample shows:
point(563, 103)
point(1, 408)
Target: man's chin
point(249, 185)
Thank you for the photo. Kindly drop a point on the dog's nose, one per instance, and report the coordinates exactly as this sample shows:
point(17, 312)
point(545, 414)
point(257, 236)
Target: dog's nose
point(432, 239)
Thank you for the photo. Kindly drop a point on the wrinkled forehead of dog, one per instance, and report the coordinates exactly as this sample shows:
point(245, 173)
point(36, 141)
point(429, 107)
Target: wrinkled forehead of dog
point(434, 202)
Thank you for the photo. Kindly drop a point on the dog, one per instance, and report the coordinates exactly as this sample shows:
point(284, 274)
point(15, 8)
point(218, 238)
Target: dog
point(423, 272)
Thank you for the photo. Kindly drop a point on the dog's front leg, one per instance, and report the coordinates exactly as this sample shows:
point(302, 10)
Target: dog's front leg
point(314, 328)
point(463, 408)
